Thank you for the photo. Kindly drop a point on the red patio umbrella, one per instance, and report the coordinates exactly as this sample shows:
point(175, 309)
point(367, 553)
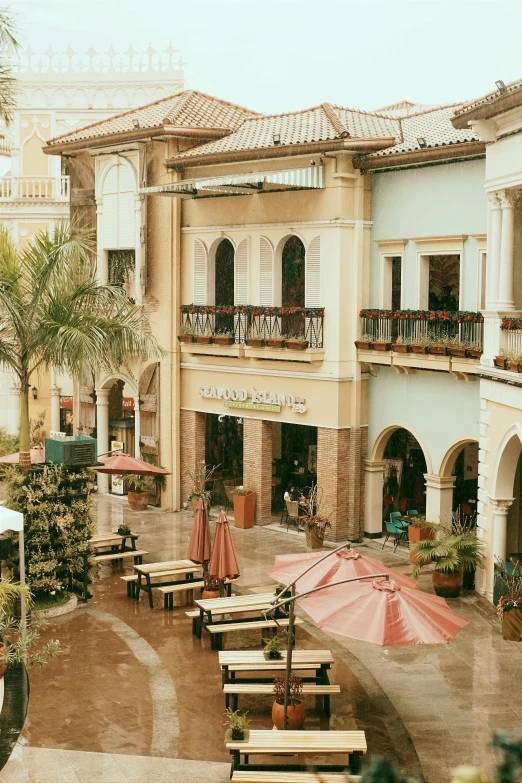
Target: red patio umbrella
point(343, 564)
point(384, 612)
point(199, 545)
point(37, 456)
point(121, 464)
point(223, 563)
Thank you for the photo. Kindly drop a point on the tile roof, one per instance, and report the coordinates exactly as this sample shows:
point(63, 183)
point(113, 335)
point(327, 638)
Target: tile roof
point(186, 109)
point(488, 97)
point(434, 125)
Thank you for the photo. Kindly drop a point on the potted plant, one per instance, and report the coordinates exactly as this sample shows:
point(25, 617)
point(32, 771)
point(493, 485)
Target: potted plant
point(420, 530)
point(508, 577)
point(400, 346)
point(380, 346)
point(452, 554)
point(237, 726)
point(223, 338)
point(244, 507)
point(276, 342)
point(456, 348)
point(210, 587)
point(500, 362)
point(200, 477)
point(419, 344)
point(254, 339)
point(295, 342)
point(272, 648)
point(186, 333)
point(296, 710)
point(124, 530)
point(138, 488)
point(474, 351)
point(315, 517)
point(364, 343)
point(204, 336)
point(437, 346)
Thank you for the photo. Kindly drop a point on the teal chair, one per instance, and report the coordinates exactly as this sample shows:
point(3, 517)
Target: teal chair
point(393, 528)
point(412, 512)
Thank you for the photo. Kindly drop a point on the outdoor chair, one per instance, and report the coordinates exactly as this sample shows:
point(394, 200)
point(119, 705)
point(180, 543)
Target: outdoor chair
point(230, 491)
point(284, 513)
point(412, 512)
point(292, 507)
point(394, 528)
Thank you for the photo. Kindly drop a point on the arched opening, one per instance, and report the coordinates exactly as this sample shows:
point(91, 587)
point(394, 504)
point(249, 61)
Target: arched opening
point(292, 283)
point(461, 461)
point(404, 470)
point(224, 284)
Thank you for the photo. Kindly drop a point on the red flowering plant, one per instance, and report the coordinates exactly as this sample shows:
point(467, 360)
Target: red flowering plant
point(509, 579)
point(313, 505)
point(511, 324)
point(374, 314)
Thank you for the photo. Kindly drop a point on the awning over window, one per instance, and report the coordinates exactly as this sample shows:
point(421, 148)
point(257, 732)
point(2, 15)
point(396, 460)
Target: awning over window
point(310, 177)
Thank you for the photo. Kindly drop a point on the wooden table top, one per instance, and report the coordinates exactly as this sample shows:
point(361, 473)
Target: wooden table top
point(186, 566)
point(261, 741)
point(256, 658)
point(236, 603)
point(109, 537)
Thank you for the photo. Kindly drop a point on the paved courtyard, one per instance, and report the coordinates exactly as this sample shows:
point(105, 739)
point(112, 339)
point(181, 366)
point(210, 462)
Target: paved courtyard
point(135, 697)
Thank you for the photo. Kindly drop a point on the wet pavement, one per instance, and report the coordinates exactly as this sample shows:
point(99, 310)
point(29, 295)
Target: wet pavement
point(133, 682)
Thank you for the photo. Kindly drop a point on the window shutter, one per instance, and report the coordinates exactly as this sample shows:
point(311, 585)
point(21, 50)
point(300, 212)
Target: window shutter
point(266, 273)
point(241, 273)
point(118, 209)
point(313, 273)
point(200, 272)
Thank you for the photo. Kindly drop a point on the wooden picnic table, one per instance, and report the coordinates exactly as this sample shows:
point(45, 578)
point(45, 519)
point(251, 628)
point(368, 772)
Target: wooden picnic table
point(235, 604)
point(266, 743)
point(234, 661)
point(114, 541)
point(182, 572)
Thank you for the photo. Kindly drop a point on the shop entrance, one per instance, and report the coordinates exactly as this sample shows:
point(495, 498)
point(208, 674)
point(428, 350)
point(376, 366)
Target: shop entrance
point(404, 469)
point(294, 451)
point(224, 448)
point(121, 429)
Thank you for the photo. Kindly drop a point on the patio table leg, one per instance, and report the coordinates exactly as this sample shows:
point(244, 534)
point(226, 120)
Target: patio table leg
point(149, 590)
point(354, 762)
point(139, 588)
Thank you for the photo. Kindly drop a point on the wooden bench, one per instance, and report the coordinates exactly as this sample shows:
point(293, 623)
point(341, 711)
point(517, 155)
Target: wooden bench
point(131, 584)
point(267, 689)
point(216, 630)
point(169, 590)
point(136, 554)
point(293, 777)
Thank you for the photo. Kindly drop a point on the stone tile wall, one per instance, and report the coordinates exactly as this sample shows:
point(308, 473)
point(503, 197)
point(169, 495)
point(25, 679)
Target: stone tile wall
point(192, 447)
point(340, 455)
point(257, 465)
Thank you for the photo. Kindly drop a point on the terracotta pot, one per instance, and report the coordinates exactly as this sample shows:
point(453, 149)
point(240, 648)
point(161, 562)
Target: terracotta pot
point(459, 353)
point(381, 346)
point(186, 338)
point(138, 501)
point(208, 594)
point(3, 667)
point(474, 353)
point(362, 345)
point(244, 510)
point(314, 538)
point(221, 340)
point(401, 348)
point(447, 585)
point(255, 342)
point(512, 625)
point(437, 350)
point(202, 339)
point(514, 366)
point(295, 715)
point(418, 534)
point(275, 343)
point(418, 348)
point(297, 345)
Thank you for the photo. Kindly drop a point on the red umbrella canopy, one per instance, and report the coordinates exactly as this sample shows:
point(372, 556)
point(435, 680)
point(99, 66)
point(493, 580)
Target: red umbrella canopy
point(385, 613)
point(122, 464)
point(223, 564)
point(345, 564)
point(37, 456)
point(199, 545)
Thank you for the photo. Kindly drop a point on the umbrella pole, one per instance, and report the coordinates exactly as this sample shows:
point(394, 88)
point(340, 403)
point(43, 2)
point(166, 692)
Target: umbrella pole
point(289, 649)
point(22, 575)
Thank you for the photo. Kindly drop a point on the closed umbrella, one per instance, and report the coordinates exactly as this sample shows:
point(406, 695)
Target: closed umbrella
point(342, 564)
point(121, 464)
point(223, 563)
point(384, 612)
point(199, 545)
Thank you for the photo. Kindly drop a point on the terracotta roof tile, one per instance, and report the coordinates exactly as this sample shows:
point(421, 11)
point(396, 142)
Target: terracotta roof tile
point(187, 109)
point(488, 97)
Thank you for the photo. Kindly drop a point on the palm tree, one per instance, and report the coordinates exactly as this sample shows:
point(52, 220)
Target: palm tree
point(55, 312)
point(8, 45)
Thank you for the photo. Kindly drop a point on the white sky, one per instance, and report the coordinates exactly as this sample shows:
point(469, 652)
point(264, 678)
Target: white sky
point(281, 55)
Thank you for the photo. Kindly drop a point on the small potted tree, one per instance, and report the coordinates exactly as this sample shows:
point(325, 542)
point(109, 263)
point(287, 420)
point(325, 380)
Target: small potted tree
point(138, 488)
point(210, 587)
point(272, 648)
point(200, 477)
point(316, 519)
point(296, 709)
point(244, 507)
point(508, 577)
point(452, 554)
point(237, 726)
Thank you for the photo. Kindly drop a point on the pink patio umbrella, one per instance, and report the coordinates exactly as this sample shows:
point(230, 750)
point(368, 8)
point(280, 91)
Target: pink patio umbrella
point(199, 545)
point(342, 564)
point(383, 612)
point(121, 464)
point(223, 563)
point(37, 456)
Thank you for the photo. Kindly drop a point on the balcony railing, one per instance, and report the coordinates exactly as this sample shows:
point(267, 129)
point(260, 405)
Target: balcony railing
point(513, 328)
point(424, 328)
point(243, 323)
point(34, 188)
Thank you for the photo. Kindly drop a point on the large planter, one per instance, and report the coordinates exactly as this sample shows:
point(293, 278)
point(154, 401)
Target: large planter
point(314, 538)
point(381, 346)
point(3, 667)
point(297, 345)
point(207, 595)
point(363, 345)
point(514, 366)
point(275, 343)
point(138, 501)
point(418, 534)
point(223, 340)
point(255, 342)
point(401, 348)
point(186, 338)
point(244, 510)
point(512, 625)
point(295, 715)
point(447, 585)
point(203, 339)
point(474, 353)
point(500, 362)
point(438, 350)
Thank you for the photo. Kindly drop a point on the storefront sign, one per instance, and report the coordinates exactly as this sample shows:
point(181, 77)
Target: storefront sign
point(127, 403)
point(253, 400)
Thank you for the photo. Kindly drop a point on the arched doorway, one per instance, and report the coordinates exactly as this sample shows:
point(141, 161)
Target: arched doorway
point(404, 471)
point(461, 463)
point(224, 284)
point(292, 283)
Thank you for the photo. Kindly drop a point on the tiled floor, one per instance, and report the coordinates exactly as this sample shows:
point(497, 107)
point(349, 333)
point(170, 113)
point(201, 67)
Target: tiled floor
point(135, 696)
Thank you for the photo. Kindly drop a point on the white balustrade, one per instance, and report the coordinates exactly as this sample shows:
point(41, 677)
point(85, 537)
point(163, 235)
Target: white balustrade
point(15, 188)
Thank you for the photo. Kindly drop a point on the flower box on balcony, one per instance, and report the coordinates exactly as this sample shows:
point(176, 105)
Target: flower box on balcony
point(500, 362)
point(202, 339)
point(186, 338)
point(275, 343)
point(458, 353)
point(297, 345)
point(363, 345)
point(381, 346)
point(401, 348)
point(437, 350)
point(221, 339)
point(514, 365)
point(418, 348)
point(255, 342)
point(474, 353)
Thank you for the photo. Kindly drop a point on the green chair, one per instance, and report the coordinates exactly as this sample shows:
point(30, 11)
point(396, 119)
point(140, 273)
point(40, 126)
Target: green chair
point(412, 512)
point(395, 529)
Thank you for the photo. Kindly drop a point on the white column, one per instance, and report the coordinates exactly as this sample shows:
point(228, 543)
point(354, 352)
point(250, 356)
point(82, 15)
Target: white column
point(102, 429)
point(493, 253)
point(137, 430)
point(506, 299)
point(373, 486)
point(55, 392)
point(499, 514)
point(102, 263)
point(439, 498)
point(138, 251)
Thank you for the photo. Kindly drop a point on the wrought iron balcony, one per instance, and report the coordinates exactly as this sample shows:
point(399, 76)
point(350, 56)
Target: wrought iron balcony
point(459, 333)
point(277, 327)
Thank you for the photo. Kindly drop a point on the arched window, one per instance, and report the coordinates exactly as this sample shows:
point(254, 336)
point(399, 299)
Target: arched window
point(224, 284)
point(293, 273)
